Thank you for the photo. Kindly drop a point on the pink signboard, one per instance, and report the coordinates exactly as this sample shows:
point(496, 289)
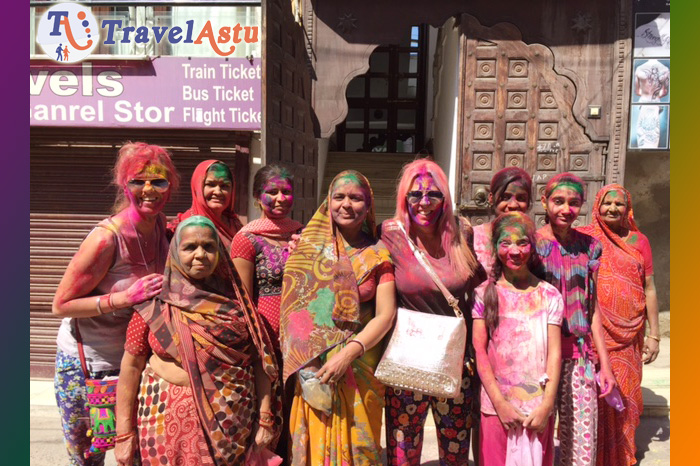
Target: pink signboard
point(166, 93)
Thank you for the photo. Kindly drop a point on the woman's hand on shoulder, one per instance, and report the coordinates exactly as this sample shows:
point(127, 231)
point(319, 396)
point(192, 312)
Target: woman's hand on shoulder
point(141, 290)
point(293, 242)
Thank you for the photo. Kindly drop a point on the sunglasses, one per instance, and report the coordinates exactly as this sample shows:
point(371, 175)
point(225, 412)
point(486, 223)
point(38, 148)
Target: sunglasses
point(159, 184)
point(414, 197)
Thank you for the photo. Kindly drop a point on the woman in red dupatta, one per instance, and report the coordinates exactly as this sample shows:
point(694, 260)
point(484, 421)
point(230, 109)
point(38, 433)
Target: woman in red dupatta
point(627, 298)
point(209, 390)
point(213, 196)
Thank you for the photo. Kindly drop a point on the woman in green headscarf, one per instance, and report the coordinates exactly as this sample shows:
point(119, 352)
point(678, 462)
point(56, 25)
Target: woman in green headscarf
point(208, 391)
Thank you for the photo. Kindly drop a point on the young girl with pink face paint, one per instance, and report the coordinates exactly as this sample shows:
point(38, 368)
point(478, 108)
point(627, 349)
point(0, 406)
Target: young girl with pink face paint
point(424, 208)
point(260, 250)
point(118, 265)
point(569, 261)
point(517, 338)
point(510, 191)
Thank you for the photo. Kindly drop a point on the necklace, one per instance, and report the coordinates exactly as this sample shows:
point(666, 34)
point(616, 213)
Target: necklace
point(138, 241)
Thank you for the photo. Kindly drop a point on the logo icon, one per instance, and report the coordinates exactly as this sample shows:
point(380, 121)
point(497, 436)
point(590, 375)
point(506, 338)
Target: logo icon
point(68, 32)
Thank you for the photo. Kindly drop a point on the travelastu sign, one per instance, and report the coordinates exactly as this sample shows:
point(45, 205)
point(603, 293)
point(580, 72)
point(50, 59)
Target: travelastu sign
point(166, 92)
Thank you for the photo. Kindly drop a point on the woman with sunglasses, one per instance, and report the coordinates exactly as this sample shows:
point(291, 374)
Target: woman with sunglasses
point(118, 265)
point(213, 197)
point(424, 209)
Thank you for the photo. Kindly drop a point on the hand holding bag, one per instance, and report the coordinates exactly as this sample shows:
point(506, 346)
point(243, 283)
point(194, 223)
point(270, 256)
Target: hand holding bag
point(426, 351)
point(101, 402)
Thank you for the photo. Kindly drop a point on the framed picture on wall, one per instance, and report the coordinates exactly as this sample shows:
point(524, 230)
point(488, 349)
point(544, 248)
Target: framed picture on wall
point(652, 35)
point(651, 81)
point(649, 127)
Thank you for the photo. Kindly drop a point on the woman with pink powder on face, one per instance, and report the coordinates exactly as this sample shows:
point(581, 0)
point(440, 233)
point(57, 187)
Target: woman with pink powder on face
point(424, 209)
point(260, 251)
point(517, 337)
point(118, 265)
point(510, 191)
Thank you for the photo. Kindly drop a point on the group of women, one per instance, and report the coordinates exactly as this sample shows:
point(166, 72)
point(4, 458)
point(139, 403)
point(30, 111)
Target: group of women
point(232, 339)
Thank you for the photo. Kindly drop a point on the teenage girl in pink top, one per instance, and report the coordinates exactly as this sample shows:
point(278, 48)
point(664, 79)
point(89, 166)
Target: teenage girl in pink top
point(517, 338)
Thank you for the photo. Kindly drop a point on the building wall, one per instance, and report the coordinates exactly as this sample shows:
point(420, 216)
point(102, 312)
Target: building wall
point(647, 176)
point(445, 78)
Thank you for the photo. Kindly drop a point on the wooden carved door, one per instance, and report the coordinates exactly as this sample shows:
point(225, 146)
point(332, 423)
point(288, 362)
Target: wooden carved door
point(517, 111)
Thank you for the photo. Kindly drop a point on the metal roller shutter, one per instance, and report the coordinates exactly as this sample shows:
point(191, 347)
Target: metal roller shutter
point(70, 192)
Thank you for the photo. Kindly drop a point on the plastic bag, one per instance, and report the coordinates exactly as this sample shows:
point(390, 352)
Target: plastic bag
point(317, 394)
point(262, 457)
point(614, 399)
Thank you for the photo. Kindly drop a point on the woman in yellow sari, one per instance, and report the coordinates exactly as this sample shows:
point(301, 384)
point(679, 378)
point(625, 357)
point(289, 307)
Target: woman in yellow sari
point(338, 302)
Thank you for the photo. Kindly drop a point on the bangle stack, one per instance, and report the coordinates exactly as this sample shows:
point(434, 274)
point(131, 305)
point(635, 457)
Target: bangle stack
point(361, 344)
point(123, 437)
point(653, 337)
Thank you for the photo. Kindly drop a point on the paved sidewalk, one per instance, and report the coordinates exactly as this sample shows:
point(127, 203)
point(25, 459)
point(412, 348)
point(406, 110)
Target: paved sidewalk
point(653, 435)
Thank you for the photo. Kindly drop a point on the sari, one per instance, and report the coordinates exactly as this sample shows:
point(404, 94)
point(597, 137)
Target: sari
point(229, 223)
point(320, 312)
point(622, 300)
point(211, 329)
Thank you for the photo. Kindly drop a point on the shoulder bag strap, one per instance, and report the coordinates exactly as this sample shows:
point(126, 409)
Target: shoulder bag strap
point(451, 300)
point(81, 352)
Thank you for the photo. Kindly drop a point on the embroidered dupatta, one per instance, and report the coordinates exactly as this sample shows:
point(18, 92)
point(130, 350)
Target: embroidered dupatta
point(320, 300)
point(621, 277)
point(210, 327)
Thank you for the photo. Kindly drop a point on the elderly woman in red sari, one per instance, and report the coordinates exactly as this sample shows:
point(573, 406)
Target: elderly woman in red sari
point(338, 301)
point(213, 197)
point(627, 299)
point(197, 363)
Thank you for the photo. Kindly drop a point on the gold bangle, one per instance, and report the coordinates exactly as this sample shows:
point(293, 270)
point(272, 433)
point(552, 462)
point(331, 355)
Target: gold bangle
point(654, 338)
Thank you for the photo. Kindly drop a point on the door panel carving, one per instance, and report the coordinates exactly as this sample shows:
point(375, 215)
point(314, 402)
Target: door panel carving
point(516, 110)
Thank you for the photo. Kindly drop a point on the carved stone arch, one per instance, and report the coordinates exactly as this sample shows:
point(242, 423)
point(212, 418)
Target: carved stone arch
point(517, 110)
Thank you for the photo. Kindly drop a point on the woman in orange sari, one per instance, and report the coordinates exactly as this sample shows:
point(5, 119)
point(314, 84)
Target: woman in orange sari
point(627, 298)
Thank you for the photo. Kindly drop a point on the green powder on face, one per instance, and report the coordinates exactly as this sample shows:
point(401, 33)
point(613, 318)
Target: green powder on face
point(219, 170)
point(566, 184)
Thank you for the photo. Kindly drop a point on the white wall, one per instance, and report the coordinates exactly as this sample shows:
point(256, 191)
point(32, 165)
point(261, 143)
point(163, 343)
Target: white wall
point(445, 103)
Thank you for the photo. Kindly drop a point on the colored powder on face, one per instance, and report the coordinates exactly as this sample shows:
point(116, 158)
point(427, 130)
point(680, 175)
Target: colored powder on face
point(425, 180)
point(567, 184)
point(155, 170)
point(350, 178)
point(220, 171)
point(615, 194)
